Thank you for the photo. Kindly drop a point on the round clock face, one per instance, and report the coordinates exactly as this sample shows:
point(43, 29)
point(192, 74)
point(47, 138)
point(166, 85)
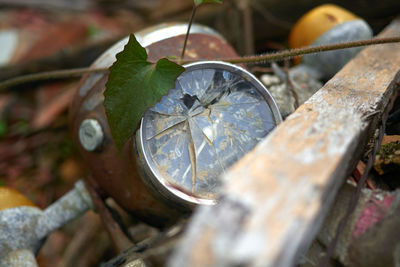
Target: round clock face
point(216, 113)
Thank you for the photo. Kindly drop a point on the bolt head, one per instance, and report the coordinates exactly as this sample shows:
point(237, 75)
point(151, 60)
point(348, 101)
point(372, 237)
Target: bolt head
point(91, 135)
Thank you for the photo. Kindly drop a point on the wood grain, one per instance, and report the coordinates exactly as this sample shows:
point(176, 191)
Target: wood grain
point(276, 197)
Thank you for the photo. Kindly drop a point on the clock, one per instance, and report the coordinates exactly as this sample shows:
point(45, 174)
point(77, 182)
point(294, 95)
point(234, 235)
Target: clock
point(216, 113)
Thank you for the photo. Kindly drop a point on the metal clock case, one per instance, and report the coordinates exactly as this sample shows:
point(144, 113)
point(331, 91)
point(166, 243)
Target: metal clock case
point(216, 113)
point(149, 197)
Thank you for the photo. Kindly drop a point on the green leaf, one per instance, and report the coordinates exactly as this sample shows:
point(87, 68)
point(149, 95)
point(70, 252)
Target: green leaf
point(199, 2)
point(133, 86)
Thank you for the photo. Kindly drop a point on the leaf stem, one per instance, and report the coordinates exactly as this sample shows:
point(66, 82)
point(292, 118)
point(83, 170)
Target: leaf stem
point(49, 75)
point(285, 54)
point(187, 33)
point(248, 31)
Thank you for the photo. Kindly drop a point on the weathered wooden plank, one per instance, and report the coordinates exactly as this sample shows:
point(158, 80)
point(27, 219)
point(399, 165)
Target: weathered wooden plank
point(275, 198)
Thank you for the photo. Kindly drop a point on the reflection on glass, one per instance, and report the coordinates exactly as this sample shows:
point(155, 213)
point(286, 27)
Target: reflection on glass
point(211, 119)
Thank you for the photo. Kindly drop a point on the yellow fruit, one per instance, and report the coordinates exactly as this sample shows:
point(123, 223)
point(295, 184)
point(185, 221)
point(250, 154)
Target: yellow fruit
point(10, 198)
point(316, 22)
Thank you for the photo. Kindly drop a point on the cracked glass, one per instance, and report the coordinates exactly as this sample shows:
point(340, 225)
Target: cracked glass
point(211, 119)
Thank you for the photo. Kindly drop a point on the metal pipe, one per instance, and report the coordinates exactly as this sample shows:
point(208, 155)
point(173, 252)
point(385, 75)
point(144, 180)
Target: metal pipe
point(24, 229)
point(70, 206)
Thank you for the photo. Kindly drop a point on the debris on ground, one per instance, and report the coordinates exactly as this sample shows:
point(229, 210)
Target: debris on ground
point(39, 159)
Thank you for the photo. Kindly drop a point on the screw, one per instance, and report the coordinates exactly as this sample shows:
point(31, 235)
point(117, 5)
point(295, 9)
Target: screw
point(91, 134)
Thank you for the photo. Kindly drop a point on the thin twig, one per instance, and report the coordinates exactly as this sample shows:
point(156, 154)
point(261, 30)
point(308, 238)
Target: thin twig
point(115, 232)
point(187, 33)
point(77, 56)
point(251, 59)
point(248, 28)
point(290, 85)
point(48, 75)
point(89, 228)
point(283, 74)
point(304, 51)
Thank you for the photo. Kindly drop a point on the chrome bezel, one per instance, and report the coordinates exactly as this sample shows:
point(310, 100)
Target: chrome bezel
point(151, 176)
